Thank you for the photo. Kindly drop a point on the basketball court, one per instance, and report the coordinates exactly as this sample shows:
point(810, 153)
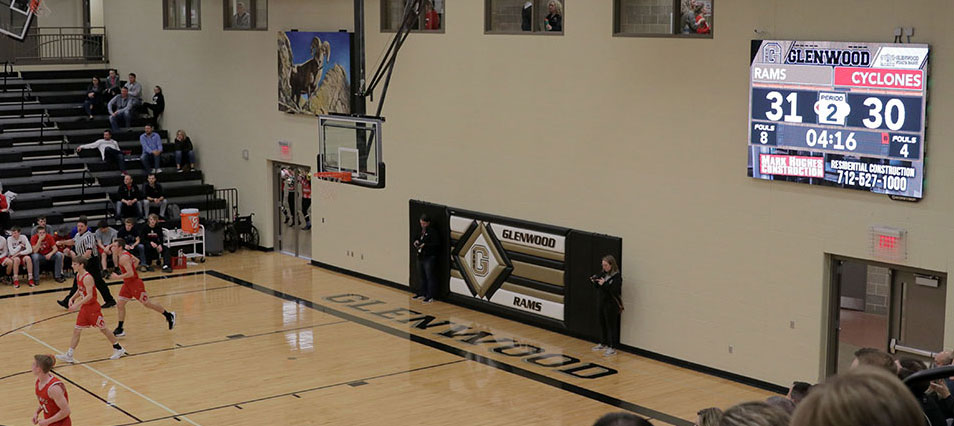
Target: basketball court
point(264, 338)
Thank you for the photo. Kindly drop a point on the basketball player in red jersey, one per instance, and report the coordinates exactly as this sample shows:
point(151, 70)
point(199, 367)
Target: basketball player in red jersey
point(90, 313)
point(54, 402)
point(133, 287)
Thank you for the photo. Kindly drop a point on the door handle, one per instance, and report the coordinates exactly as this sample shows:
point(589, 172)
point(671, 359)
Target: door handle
point(894, 347)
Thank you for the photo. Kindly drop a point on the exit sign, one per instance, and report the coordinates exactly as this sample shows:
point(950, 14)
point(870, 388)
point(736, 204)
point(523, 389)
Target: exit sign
point(284, 150)
point(889, 243)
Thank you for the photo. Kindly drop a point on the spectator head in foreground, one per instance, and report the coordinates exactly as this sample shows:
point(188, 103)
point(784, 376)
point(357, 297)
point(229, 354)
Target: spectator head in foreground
point(709, 417)
point(864, 396)
point(755, 414)
point(799, 391)
point(874, 358)
point(622, 419)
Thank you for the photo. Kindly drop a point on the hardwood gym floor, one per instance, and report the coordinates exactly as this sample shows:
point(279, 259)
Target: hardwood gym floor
point(267, 339)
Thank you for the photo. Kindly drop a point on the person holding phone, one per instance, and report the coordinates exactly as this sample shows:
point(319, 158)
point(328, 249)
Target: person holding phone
point(610, 304)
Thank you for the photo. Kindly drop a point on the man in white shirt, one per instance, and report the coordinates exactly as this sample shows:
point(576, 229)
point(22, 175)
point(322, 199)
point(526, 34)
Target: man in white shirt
point(108, 149)
point(19, 250)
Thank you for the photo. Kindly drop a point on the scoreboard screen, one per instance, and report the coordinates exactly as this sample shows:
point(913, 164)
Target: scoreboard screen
point(840, 114)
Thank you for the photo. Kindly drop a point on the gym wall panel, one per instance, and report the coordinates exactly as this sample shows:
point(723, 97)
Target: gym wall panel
point(642, 138)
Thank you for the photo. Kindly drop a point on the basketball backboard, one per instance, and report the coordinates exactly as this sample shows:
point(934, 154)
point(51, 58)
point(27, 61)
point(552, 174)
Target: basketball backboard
point(15, 18)
point(352, 144)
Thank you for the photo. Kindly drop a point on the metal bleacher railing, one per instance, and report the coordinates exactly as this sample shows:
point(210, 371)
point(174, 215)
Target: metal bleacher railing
point(61, 45)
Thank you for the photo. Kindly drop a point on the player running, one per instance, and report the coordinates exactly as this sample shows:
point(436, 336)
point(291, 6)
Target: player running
point(90, 314)
point(54, 402)
point(133, 287)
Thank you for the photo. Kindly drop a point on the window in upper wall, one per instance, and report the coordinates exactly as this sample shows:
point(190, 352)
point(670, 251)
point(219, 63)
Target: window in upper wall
point(431, 18)
point(180, 14)
point(243, 15)
point(663, 18)
point(523, 17)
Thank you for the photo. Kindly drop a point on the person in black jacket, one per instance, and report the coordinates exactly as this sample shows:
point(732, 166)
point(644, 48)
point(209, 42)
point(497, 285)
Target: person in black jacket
point(934, 398)
point(94, 97)
point(554, 20)
point(184, 152)
point(151, 237)
point(152, 196)
point(128, 197)
point(610, 304)
point(427, 244)
point(157, 106)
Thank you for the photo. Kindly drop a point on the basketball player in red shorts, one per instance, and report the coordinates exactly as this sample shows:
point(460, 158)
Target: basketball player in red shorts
point(90, 313)
point(133, 287)
point(54, 402)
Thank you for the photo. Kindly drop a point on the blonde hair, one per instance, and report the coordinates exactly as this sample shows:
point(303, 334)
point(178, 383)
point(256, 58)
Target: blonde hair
point(183, 133)
point(864, 396)
point(557, 5)
point(755, 414)
point(614, 267)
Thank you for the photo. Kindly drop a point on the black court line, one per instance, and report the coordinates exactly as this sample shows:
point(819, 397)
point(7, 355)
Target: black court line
point(296, 394)
point(537, 377)
point(35, 323)
point(113, 283)
point(76, 385)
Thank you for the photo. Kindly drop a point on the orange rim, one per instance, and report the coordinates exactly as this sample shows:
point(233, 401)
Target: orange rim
point(341, 176)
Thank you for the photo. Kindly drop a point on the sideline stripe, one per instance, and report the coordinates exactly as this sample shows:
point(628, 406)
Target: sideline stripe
point(540, 378)
point(113, 283)
point(76, 385)
point(154, 402)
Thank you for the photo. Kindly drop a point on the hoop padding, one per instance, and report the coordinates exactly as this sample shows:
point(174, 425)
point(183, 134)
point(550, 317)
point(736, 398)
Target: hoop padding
point(334, 176)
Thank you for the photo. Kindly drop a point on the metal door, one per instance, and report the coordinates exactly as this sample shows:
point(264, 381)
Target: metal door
point(919, 303)
point(293, 209)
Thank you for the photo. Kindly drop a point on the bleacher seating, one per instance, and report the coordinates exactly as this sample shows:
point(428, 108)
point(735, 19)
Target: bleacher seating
point(42, 122)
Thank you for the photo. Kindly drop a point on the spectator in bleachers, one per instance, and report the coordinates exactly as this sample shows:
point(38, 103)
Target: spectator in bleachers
point(45, 251)
point(153, 196)
point(184, 151)
point(121, 107)
point(19, 250)
point(108, 150)
point(135, 89)
point(40, 221)
point(113, 84)
point(5, 261)
point(709, 417)
point(157, 106)
point(755, 414)
point(943, 359)
point(104, 237)
point(866, 396)
point(151, 150)
point(129, 197)
point(622, 419)
point(934, 398)
point(875, 358)
point(130, 234)
point(151, 236)
point(94, 97)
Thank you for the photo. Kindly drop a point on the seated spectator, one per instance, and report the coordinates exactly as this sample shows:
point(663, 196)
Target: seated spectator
point(135, 89)
point(709, 417)
point(121, 109)
point(865, 396)
point(108, 150)
point(153, 196)
point(151, 237)
point(129, 197)
point(113, 84)
point(45, 251)
point(157, 106)
point(183, 147)
point(5, 260)
point(934, 398)
point(755, 414)
point(94, 97)
point(104, 237)
point(622, 419)
point(130, 235)
point(19, 250)
point(798, 392)
point(554, 20)
point(875, 358)
point(942, 359)
point(40, 221)
point(241, 20)
point(151, 150)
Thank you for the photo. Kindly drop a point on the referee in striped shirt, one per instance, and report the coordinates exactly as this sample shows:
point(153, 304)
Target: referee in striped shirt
point(84, 244)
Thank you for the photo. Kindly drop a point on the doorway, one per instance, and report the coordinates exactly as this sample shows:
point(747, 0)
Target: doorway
point(893, 308)
point(292, 201)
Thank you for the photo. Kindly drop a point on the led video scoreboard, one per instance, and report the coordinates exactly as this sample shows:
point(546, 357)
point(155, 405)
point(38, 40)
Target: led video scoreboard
point(840, 114)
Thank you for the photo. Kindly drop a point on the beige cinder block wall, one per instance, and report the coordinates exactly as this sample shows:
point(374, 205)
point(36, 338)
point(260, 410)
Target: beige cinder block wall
point(637, 137)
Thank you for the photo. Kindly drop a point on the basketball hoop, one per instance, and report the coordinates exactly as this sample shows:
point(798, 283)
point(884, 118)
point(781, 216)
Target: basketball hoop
point(328, 192)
